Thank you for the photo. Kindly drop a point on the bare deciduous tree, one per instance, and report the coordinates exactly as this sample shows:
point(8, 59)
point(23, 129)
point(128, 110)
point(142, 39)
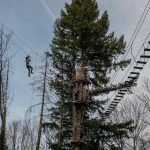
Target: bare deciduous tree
point(132, 109)
point(4, 78)
point(21, 135)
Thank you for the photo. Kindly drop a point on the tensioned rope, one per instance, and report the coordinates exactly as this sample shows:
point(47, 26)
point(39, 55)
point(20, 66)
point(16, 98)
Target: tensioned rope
point(136, 73)
point(20, 39)
point(134, 35)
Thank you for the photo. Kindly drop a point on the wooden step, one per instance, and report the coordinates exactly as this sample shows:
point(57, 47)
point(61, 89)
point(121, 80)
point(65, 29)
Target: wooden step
point(145, 56)
point(146, 49)
point(119, 96)
point(116, 102)
point(137, 73)
point(138, 67)
point(112, 107)
point(113, 104)
point(121, 93)
point(116, 99)
point(141, 62)
point(123, 90)
point(107, 111)
point(134, 78)
point(107, 114)
point(131, 81)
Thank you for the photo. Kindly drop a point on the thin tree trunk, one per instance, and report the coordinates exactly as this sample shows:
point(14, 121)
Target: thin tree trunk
point(42, 107)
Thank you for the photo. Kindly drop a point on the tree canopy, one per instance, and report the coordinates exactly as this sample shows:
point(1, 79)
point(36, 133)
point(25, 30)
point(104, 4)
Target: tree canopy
point(81, 34)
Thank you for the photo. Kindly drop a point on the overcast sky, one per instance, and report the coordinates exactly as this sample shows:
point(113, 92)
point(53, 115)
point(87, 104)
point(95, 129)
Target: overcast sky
point(32, 21)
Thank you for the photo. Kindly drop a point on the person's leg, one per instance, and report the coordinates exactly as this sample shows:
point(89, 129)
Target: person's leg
point(31, 69)
point(28, 67)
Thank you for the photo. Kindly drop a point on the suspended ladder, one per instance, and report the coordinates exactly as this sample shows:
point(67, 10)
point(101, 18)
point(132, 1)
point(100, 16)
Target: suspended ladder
point(131, 79)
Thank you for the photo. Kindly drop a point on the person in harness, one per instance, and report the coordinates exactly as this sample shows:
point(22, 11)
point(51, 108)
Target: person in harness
point(29, 67)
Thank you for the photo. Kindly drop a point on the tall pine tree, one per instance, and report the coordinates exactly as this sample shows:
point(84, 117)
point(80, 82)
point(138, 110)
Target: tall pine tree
point(81, 34)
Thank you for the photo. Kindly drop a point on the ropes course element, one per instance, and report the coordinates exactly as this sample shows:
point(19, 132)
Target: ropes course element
point(21, 49)
point(134, 59)
point(137, 54)
point(132, 53)
point(132, 79)
point(134, 35)
point(132, 39)
point(21, 40)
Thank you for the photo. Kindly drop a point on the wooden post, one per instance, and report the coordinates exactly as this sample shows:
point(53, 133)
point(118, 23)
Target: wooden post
point(80, 100)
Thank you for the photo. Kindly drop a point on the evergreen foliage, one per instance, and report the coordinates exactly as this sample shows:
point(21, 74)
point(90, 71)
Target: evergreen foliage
point(81, 33)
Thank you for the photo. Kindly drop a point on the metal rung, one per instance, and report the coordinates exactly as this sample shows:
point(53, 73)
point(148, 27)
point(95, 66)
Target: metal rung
point(107, 111)
point(116, 102)
point(107, 114)
point(112, 107)
point(141, 62)
point(146, 49)
point(145, 56)
point(123, 90)
point(138, 67)
point(121, 93)
point(119, 96)
point(129, 82)
point(132, 78)
point(113, 104)
point(129, 86)
point(135, 73)
point(116, 99)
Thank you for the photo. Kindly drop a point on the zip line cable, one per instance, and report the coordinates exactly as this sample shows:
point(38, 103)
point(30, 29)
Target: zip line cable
point(140, 25)
point(136, 56)
point(113, 103)
point(138, 31)
point(133, 62)
point(133, 37)
point(115, 74)
point(21, 40)
point(21, 49)
point(132, 53)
